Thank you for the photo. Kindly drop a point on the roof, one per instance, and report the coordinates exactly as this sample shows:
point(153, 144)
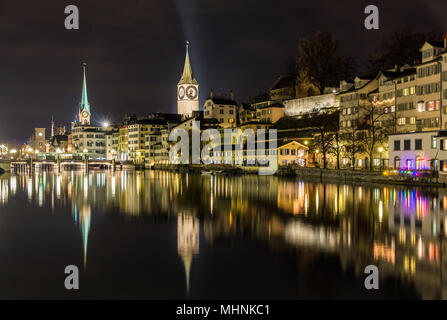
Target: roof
point(439, 44)
point(283, 82)
point(149, 121)
point(84, 99)
point(283, 143)
point(187, 76)
point(352, 89)
point(58, 139)
point(222, 100)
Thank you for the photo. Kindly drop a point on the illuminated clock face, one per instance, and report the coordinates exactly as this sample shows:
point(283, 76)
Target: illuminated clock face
point(181, 93)
point(191, 92)
point(85, 114)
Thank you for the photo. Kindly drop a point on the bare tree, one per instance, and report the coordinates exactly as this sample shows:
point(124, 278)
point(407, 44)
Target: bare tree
point(326, 130)
point(318, 58)
point(374, 129)
point(351, 143)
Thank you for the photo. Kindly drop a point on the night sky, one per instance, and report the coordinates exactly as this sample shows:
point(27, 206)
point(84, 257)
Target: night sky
point(135, 50)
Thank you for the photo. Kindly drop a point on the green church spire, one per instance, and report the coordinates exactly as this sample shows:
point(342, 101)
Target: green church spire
point(187, 76)
point(84, 100)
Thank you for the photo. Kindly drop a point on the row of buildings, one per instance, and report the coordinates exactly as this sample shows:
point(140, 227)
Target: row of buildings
point(395, 118)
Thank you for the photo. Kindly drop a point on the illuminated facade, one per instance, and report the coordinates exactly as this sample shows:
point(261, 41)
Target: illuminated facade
point(187, 90)
point(84, 106)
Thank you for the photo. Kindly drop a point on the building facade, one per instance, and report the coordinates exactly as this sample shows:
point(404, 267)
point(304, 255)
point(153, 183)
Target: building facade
point(187, 90)
point(221, 108)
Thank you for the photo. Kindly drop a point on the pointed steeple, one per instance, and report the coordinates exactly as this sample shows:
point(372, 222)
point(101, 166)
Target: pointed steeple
point(84, 99)
point(187, 76)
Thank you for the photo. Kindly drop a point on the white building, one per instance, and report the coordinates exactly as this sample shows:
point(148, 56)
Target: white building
point(418, 150)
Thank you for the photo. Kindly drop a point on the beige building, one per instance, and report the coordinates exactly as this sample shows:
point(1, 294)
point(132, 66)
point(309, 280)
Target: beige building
point(90, 140)
point(292, 152)
point(112, 144)
point(122, 142)
point(246, 113)
point(354, 104)
point(270, 113)
point(136, 136)
point(221, 108)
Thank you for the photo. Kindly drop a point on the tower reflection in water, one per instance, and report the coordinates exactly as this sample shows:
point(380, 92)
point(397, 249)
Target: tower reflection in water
point(400, 229)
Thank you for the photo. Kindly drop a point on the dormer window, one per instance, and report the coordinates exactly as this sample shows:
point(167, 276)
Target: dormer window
point(428, 53)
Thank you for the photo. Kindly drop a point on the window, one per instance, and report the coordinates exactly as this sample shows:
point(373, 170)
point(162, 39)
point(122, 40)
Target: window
point(412, 120)
point(396, 145)
point(401, 121)
point(418, 144)
point(376, 162)
point(407, 144)
point(421, 106)
point(433, 142)
point(396, 162)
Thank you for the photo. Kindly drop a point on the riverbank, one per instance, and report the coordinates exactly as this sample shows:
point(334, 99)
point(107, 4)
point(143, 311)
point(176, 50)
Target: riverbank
point(319, 174)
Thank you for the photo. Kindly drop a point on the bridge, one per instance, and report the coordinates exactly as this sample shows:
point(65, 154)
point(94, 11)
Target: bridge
point(66, 164)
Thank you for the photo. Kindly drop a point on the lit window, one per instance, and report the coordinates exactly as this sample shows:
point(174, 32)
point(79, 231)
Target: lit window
point(433, 142)
point(421, 106)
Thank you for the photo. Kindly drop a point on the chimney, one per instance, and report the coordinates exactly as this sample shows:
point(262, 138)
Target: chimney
point(232, 95)
point(211, 93)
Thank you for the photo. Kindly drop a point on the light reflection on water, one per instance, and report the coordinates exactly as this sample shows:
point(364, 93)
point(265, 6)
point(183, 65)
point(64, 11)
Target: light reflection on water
point(399, 229)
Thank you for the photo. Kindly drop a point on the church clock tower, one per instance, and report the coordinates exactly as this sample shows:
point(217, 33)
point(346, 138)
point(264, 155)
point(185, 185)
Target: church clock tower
point(187, 90)
point(84, 107)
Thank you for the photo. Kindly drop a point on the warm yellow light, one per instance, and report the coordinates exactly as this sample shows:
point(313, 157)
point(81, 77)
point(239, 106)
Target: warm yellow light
point(13, 151)
point(380, 149)
point(85, 150)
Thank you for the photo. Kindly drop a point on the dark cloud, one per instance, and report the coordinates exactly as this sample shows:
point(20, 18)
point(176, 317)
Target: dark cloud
point(135, 50)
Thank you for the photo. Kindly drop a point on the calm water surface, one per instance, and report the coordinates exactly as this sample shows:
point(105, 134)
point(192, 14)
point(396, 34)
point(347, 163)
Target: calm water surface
point(164, 235)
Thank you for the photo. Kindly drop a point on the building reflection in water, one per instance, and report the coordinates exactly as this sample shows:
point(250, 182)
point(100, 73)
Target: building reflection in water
point(400, 229)
point(187, 242)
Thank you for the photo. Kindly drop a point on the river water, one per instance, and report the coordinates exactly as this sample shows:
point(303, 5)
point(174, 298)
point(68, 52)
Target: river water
point(165, 235)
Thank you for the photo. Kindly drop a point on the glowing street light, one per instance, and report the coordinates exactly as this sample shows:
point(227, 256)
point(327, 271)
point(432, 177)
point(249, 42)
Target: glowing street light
point(105, 124)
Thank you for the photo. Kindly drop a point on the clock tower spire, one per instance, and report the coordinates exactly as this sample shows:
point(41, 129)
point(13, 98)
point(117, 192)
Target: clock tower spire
point(187, 89)
point(84, 106)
